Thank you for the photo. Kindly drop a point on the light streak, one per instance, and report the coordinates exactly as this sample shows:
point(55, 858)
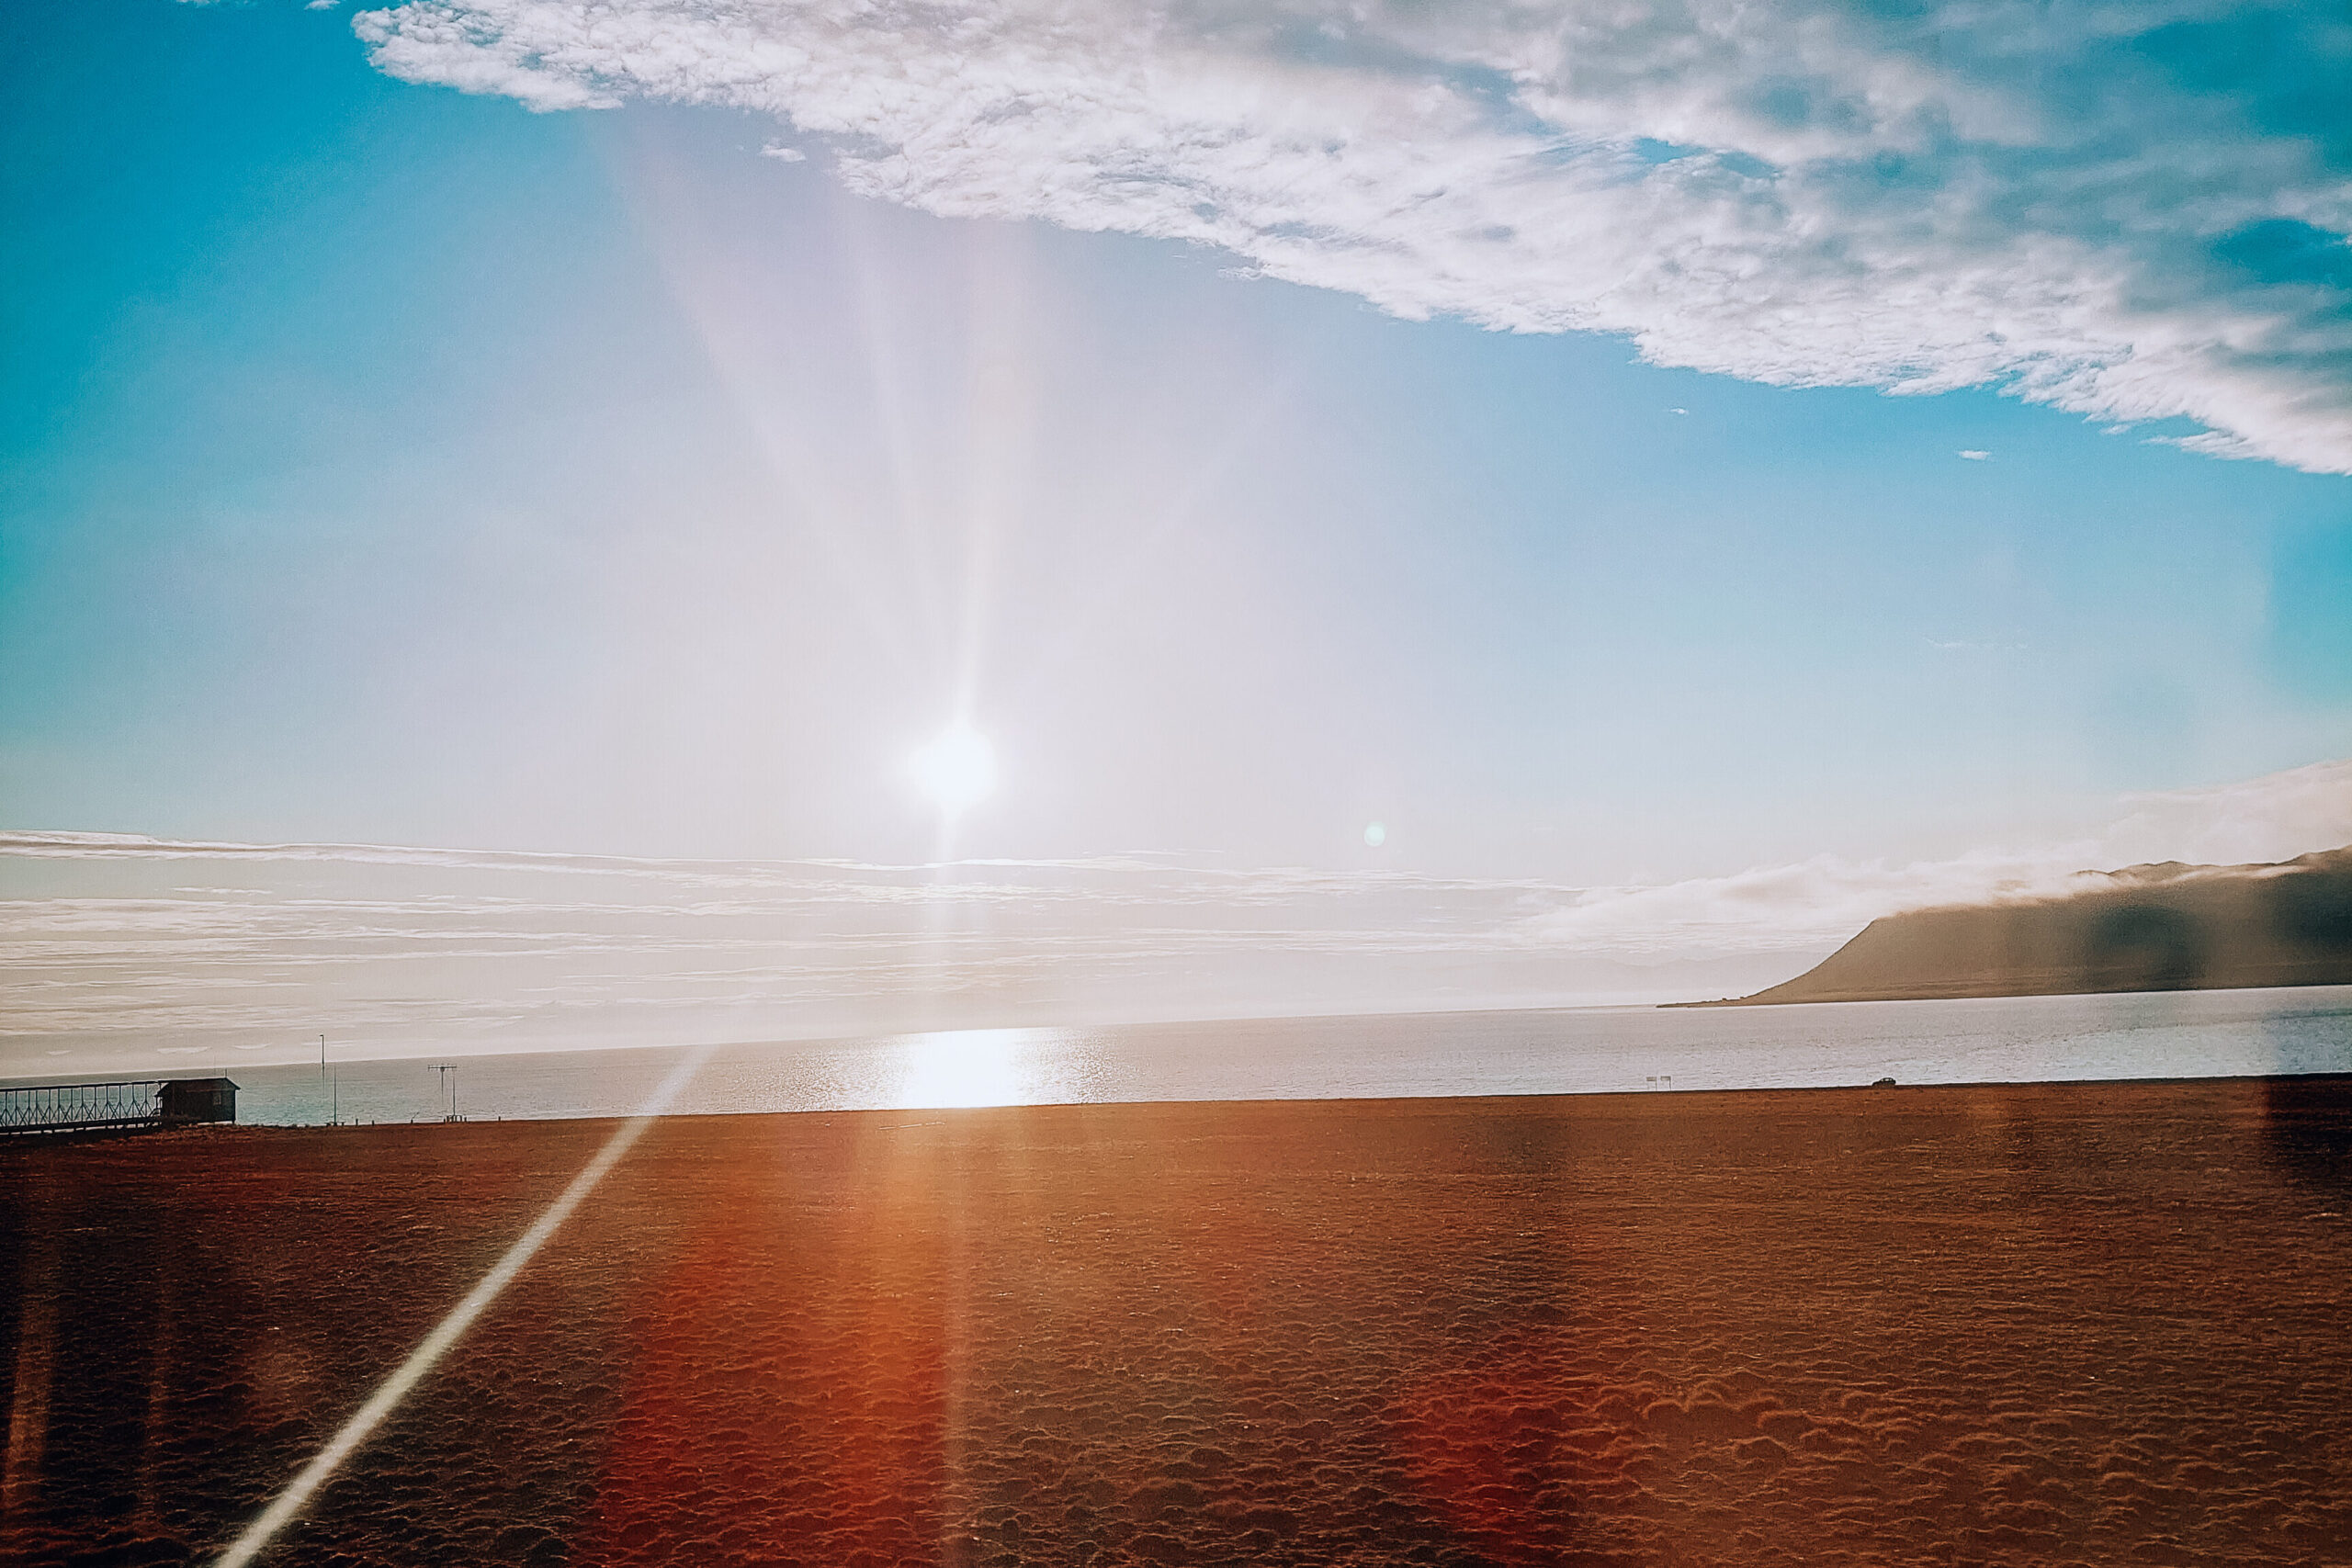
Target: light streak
point(362, 1426)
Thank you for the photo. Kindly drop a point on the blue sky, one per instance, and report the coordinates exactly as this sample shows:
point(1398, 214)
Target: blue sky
point(388, 464)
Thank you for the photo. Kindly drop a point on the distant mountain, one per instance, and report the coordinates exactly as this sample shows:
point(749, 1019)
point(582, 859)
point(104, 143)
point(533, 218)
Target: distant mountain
point(2146, 928)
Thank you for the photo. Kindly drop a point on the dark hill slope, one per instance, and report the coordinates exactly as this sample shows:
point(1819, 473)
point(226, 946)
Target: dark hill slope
point(2147, 927)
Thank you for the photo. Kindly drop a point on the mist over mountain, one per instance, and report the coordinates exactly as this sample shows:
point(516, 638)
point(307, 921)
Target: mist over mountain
point(2166, 927)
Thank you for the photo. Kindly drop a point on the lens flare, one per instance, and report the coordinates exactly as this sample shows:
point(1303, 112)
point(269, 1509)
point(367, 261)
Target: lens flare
point(452, 1328)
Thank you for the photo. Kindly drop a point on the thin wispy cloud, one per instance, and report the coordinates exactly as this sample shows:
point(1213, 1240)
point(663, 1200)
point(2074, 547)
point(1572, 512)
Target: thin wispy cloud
point(2122, 210)
point(1975, 645)
point(139, 945)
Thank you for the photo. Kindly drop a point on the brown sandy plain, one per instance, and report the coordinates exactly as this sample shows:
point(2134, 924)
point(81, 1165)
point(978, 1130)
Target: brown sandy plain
point(2095, 1324)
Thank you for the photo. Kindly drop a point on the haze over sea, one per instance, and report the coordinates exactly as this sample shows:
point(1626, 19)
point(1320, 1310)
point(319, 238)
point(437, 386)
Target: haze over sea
point(2178, 1034)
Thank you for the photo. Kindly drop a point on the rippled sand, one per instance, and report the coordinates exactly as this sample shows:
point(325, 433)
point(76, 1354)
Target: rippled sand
point(2092, 1324)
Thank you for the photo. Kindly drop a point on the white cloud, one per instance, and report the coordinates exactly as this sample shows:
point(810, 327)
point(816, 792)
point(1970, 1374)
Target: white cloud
point(2135, 211)
point(2274, 818)
point(1974, 455)
point(1826, 899)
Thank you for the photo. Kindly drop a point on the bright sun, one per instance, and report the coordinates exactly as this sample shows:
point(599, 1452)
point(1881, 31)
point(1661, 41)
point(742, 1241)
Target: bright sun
point(957, 770)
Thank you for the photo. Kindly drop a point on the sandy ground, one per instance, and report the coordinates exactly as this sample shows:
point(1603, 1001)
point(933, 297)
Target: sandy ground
point(2095, 1324)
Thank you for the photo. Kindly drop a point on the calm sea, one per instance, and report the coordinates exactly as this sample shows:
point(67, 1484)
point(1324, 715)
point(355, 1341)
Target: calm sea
point(1571, 1050)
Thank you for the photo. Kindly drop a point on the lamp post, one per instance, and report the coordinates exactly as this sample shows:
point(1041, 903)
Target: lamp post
point(448, 1076)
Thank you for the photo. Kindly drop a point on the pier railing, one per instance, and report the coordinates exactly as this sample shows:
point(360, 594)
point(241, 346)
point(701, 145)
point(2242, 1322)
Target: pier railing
point(82, 1107)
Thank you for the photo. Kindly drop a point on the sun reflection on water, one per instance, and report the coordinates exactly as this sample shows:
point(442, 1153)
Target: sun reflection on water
point(974, 1066)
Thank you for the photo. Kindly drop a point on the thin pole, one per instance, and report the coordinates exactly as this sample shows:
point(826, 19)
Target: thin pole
point(322, 1055)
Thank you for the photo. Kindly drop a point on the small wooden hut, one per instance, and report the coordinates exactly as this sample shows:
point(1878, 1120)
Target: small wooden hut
point(200, 1099)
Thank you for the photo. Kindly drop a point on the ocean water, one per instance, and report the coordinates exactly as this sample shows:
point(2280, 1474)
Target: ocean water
point(1567, 1050)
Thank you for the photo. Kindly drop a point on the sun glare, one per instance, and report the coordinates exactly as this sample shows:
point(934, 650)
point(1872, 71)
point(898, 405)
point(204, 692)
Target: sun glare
point(957, 770)
point(963, 1067)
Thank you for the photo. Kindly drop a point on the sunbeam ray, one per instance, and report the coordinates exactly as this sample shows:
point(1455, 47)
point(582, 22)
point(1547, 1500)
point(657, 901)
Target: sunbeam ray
point(288, 1504)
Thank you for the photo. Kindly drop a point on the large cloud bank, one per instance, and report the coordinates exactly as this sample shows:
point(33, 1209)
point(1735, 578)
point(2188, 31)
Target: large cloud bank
point(2135, 211)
